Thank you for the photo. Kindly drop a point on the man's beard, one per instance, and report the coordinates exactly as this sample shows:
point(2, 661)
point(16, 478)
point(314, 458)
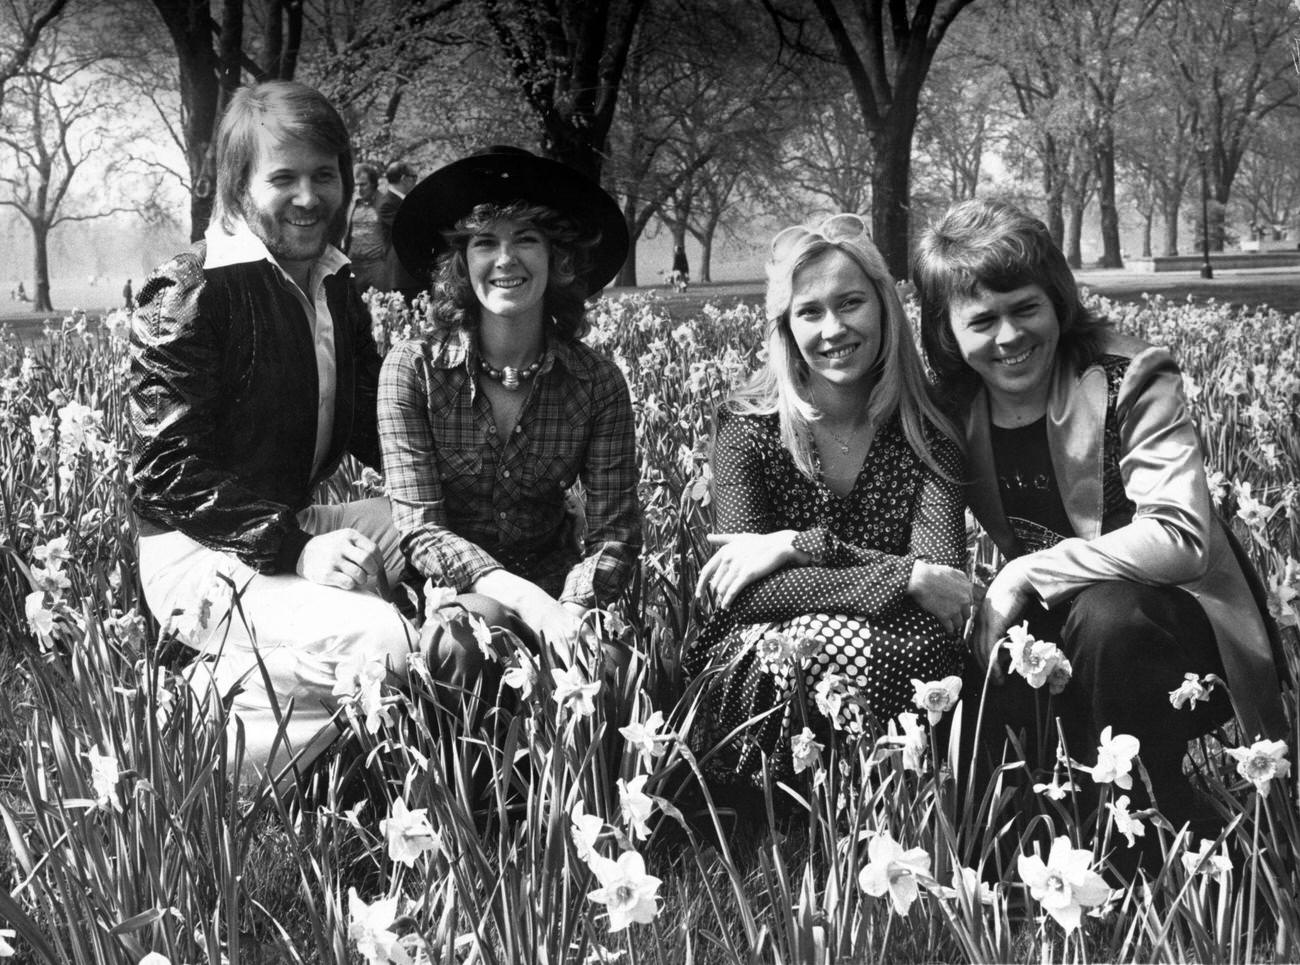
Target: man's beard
point(274, 235)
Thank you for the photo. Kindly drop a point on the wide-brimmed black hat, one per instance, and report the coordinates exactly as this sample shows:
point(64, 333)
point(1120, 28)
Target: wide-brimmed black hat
point(501, 175)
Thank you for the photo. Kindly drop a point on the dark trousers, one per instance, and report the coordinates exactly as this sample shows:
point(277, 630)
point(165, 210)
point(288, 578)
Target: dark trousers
point(1129, 645)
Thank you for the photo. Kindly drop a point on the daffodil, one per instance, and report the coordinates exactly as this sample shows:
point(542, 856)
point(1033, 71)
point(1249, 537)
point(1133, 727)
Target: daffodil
point(1065, 884)
point(805, 751)
point(1191, 691)
point(1202, 862)
point(585, 830)
point(892, 869)
point(572, 690)
point(408, 833)
point(1126, 823)
point(635, 805)
point(626, 891)
point(1261, 762)
point(370, 926)
point(358, 681)
point(104, 776)
point(646, 736)
point(829, 695)
point(936, 697)
point(1115, 759)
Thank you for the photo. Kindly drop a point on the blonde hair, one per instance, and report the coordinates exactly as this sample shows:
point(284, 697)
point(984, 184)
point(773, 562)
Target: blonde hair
point(782, 385)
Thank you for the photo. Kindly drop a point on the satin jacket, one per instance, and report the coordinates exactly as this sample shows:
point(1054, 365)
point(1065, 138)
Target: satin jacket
point(223, 404)
point(1172, 536)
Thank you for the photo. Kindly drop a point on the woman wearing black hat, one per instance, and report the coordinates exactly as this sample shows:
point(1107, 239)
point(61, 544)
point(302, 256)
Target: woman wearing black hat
point(487, 422)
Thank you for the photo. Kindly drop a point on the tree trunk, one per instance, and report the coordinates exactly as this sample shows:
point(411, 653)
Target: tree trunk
point(41, 267)
point(1169, 209)
point(627, 274)
point(706, 255)
point(1110, 246)
point(1148, 220)
point(891, 175)
point(1073, 240)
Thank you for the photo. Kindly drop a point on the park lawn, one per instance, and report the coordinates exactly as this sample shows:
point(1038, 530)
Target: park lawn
point(127, 835)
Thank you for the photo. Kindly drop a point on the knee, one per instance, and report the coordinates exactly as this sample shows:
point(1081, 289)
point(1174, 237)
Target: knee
point(1110, 623)
point(455, 657)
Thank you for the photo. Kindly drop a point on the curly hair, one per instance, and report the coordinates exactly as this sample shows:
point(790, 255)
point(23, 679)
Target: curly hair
point(994, 245)
point(454, 305)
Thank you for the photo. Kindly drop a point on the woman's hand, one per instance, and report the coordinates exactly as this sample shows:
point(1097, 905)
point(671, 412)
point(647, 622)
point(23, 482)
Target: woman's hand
point(546, 616)
point(942, 591)
point(1004, 602)
point(743, 558)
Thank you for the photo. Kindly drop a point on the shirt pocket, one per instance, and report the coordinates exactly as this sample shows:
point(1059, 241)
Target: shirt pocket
point(547, 475)
point(461, 471)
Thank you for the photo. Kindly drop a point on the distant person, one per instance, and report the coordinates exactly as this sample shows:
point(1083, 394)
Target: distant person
point(128, 295)
point(401, 178)
point(22, 292)
point(366, 246)
point(253, 372)
point(681, 273)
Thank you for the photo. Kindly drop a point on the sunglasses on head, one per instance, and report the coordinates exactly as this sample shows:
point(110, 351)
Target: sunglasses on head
point(836, 228)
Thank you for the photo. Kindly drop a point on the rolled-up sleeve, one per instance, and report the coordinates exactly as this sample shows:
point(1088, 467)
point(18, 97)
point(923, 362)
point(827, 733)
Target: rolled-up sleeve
point(411, 473)
point(609, 474)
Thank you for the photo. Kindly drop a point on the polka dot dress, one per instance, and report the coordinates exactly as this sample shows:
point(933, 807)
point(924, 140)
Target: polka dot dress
point(836, 641)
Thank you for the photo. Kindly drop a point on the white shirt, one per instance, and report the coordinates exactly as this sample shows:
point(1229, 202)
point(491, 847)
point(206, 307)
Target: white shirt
point(242, 247)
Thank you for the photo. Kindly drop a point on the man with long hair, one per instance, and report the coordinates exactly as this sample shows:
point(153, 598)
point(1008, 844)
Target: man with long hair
point(253, 372)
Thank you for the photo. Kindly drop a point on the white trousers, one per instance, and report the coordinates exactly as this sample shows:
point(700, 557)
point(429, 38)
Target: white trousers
point(299, 630)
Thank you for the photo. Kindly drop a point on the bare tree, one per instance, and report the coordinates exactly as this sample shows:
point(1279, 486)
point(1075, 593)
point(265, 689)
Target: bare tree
point(54, 124)
point(887, 49)
point(21, 25)
point(1235, 69)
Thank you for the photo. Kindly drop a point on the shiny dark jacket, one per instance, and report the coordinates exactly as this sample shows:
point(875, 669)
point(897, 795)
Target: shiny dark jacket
point(223, 404)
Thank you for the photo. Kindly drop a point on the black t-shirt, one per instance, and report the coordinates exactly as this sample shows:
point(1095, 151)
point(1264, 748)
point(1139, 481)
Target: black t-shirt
point(1031, 499)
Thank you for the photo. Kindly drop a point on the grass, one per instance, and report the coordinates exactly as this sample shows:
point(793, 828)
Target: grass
point(512, 827)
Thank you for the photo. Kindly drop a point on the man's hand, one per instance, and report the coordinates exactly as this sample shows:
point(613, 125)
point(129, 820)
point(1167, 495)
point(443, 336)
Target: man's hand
point(344, 558)
point(942, 591)
point(743, 558)
point(1004, 601)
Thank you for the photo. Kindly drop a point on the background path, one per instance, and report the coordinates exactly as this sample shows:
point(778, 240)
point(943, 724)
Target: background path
point(1275, 287)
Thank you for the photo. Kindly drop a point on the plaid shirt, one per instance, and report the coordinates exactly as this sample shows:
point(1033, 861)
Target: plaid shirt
point(467, 501)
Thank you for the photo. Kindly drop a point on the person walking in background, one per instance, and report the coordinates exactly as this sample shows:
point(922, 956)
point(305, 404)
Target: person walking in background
point(841, 540)
point(128, 296)
point(680, 276)
point(401, 178)
point(253, 372)
point(366, 246)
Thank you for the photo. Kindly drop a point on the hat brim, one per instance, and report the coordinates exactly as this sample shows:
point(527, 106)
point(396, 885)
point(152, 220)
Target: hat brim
point(450, 193)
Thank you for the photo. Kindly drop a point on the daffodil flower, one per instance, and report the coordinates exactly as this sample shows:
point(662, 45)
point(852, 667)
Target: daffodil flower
point(626, 891)
point(1065, 884)
point(892, 869)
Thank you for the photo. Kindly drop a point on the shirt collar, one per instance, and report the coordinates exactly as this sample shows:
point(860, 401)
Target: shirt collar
point(456, 348)
point(242, 247)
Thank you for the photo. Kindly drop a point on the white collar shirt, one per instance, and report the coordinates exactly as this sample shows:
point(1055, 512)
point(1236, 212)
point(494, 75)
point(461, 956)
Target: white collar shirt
point(242, 247)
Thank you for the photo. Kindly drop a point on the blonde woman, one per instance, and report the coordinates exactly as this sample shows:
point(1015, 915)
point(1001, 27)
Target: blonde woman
point(838, 576)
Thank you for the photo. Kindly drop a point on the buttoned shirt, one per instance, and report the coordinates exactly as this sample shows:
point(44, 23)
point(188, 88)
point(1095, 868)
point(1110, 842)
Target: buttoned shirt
point(468, 501)
point(242, 247)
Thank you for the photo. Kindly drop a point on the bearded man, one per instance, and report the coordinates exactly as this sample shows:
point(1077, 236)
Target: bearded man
point(253, 372)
